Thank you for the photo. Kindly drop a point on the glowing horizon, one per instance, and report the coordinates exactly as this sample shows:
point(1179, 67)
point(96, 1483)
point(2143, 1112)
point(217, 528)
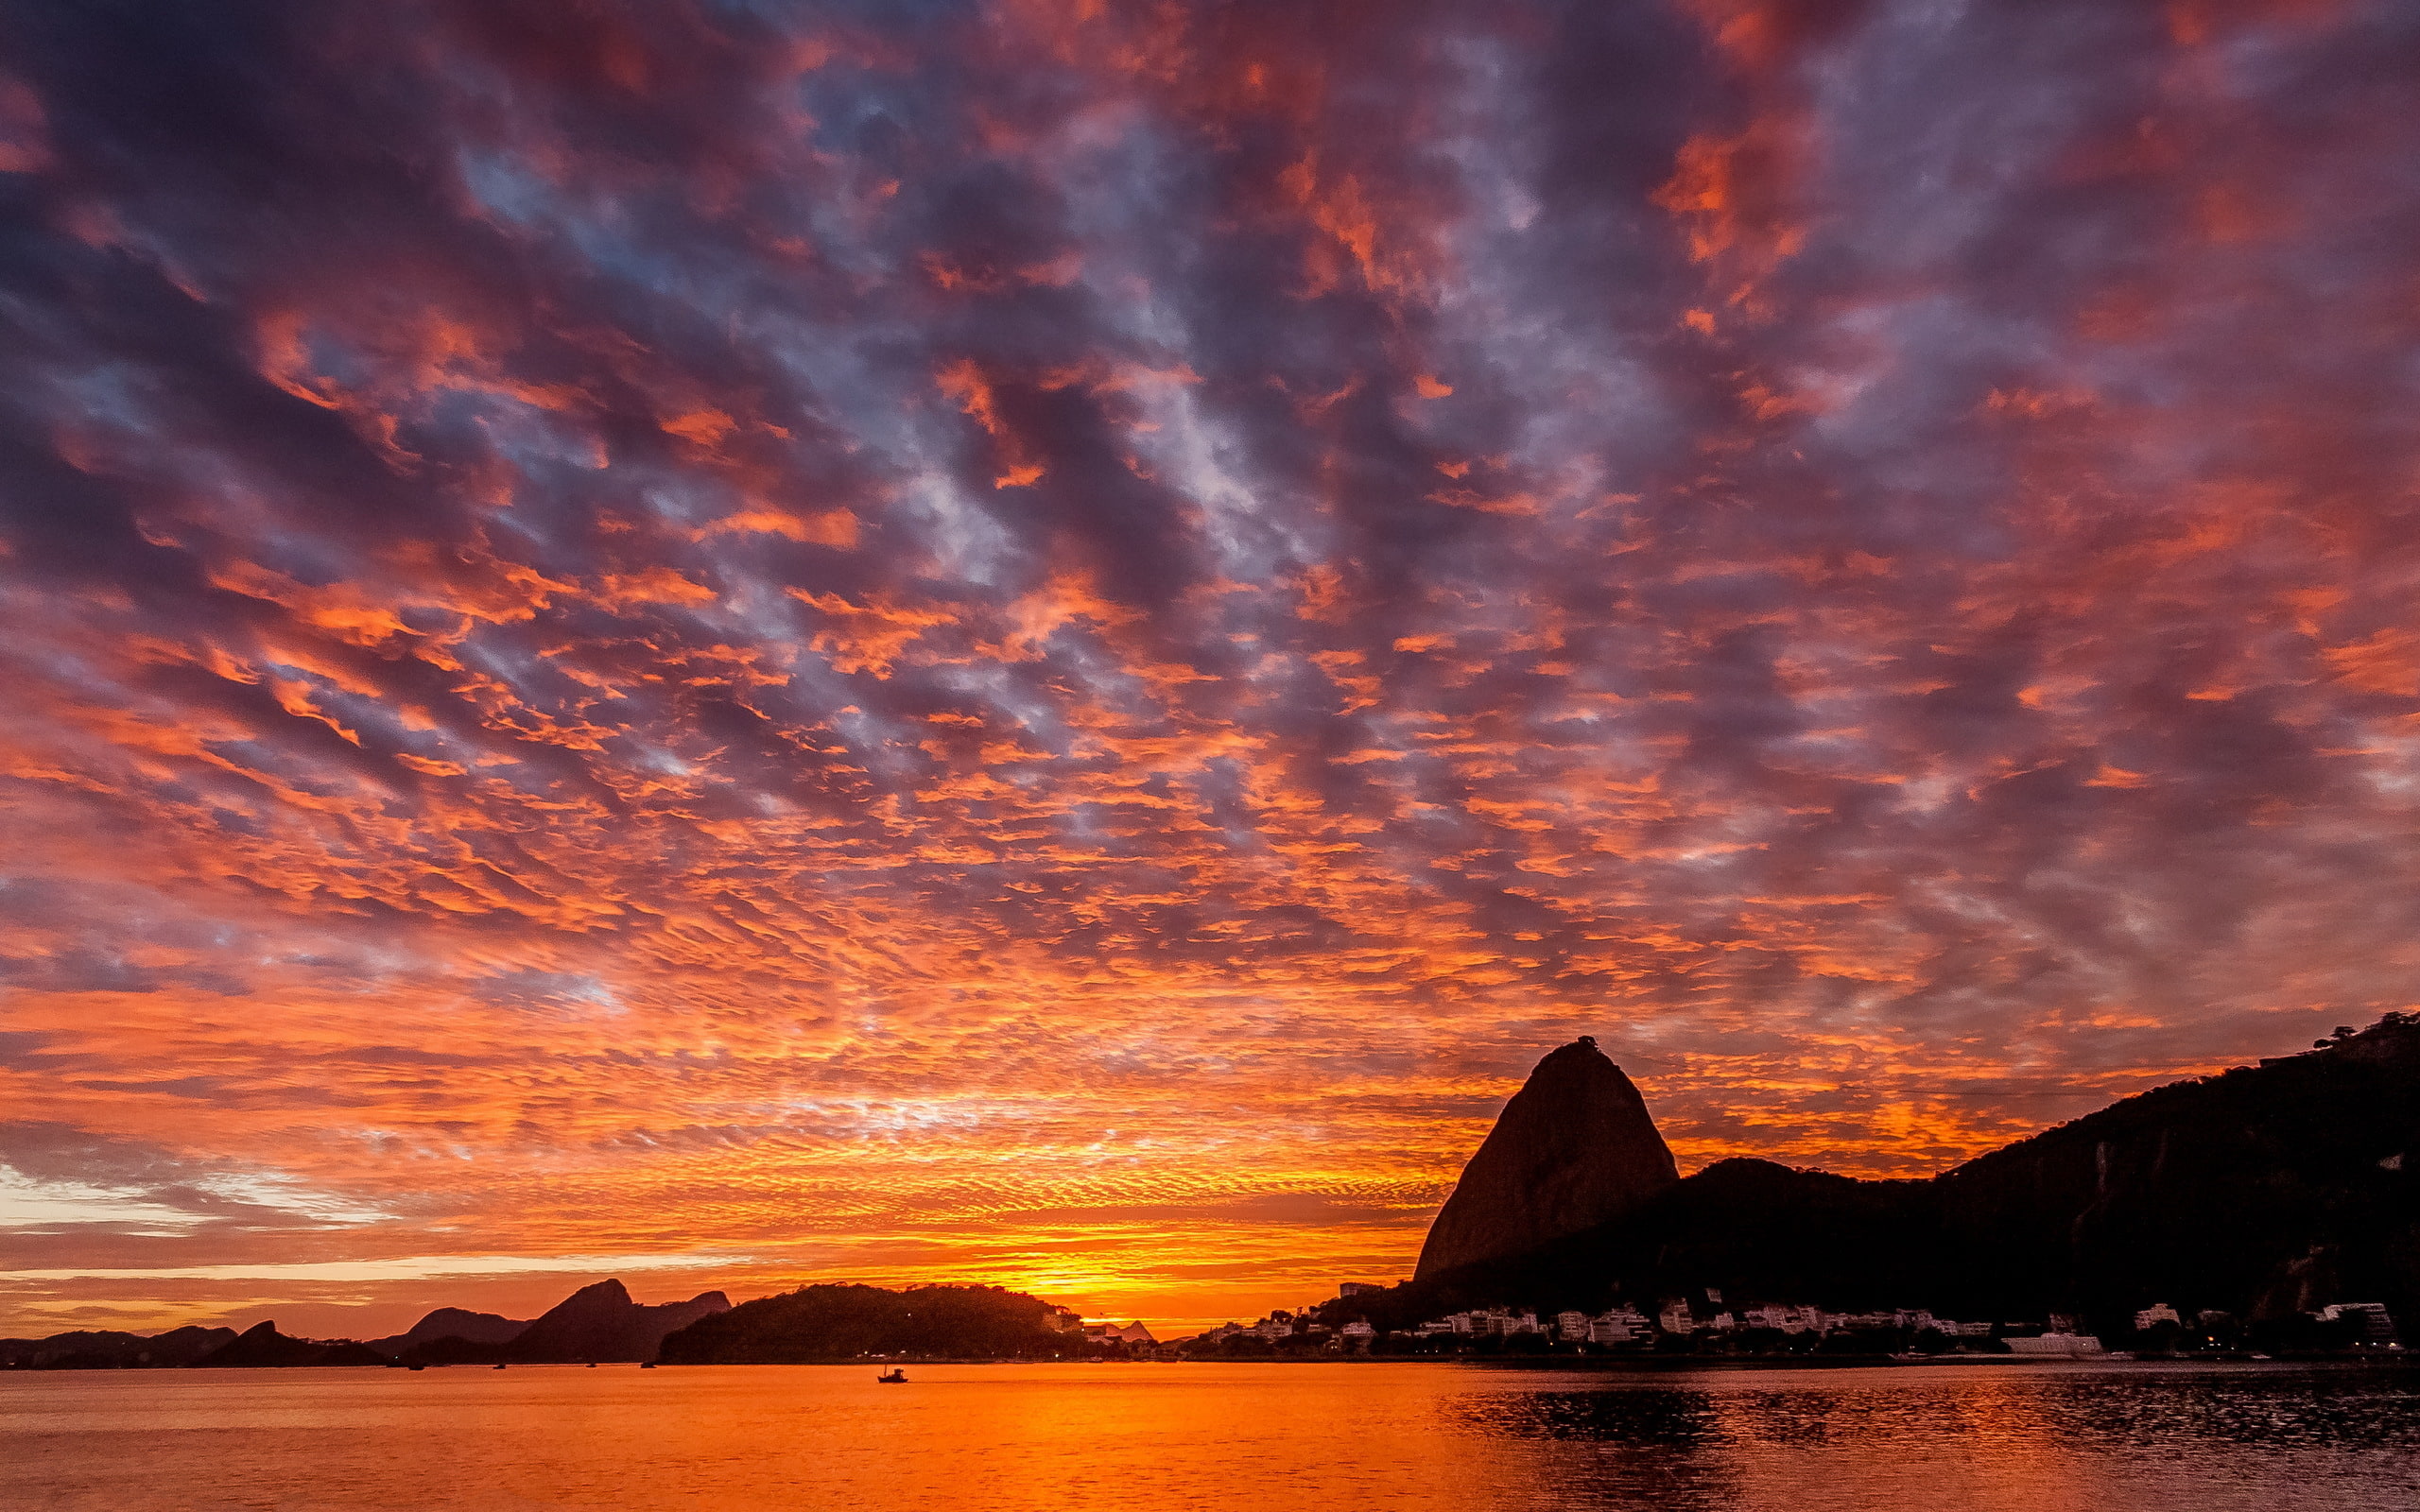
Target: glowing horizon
point(1047, 644)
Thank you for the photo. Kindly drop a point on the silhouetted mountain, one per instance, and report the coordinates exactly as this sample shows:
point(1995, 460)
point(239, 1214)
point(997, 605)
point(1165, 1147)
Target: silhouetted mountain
point(261, 1347)
point(595, 1323)
point(842, 1322)
point(1573, 1148)
point(111, 1350)
point(2268, 1189)
point(2261, 1191)
point(453, 1323)
point(603, 1323)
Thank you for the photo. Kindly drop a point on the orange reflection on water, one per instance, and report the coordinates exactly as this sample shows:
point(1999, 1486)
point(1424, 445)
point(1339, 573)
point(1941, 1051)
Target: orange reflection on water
point(1424, 1438)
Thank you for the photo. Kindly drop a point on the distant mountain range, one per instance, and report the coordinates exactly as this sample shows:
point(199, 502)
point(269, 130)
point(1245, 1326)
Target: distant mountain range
point(453, 1323)
point(601, 1323)
point(598, 1324)
point(107, 1351)
point(261, 1347)
point(2261, 1192)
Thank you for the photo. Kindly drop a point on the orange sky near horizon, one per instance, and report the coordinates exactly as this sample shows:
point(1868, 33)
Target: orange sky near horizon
point(1046, 642)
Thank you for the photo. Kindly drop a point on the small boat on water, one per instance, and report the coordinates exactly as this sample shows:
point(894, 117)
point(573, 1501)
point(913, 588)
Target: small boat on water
point(893, 1377)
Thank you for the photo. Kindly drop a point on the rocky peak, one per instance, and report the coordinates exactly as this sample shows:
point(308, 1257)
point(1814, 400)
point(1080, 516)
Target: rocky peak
point(1573, 1148)
point(602, 1322)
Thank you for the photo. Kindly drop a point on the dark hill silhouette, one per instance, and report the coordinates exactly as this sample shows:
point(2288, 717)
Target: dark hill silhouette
point(2264, 1190)
point(1573, 1148)
point(110, 1350)
point(261, 1347)
point(597, 1323)
point(453, 1323)
point(845, 1322)
point(601, 1323)
point(2261, 1190)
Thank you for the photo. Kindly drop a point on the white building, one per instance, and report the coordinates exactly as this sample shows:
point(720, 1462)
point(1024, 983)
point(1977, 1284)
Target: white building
point(2155, 1314)
point(2059, 1346)
point(1675, 1317)
point(1572, 1328)
point(1787, 1319)
point(2376, 1323)
point(1620, 1325)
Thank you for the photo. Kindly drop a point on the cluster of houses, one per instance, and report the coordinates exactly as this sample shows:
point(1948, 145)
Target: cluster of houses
point(1622, 1327)
point(2369, 1324)
point(1705, 1315)
point(1628, 1325)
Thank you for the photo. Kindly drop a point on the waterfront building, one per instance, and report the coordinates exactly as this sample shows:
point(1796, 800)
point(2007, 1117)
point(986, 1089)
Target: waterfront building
point(1572, 1326)
point(1620, 1325)
point(1675, 1317)
point(2376, 1323)
point(2062, 1345)
point(2153, 1316)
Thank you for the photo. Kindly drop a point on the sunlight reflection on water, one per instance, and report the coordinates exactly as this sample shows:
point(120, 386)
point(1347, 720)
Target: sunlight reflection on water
point(1979, 1438)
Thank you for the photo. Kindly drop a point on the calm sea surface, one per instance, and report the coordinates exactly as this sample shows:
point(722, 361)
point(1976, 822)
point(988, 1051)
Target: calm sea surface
point(1256, 1438)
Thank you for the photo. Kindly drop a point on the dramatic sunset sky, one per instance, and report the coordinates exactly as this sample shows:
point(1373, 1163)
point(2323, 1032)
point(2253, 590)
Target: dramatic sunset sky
point(729, 642)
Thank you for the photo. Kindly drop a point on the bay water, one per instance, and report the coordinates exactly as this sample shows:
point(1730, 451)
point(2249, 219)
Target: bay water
point(1984, 1437)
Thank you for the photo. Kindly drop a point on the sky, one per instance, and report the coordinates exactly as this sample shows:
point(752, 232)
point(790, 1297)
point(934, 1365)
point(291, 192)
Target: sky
point(1048, 641)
